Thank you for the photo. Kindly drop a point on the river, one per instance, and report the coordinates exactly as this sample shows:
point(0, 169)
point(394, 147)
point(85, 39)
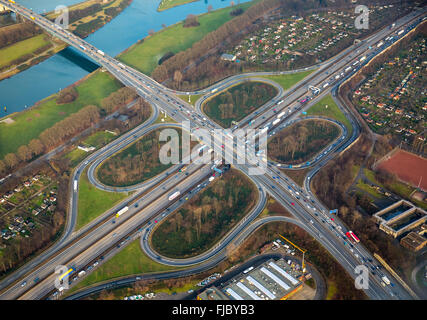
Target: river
point(68, 66)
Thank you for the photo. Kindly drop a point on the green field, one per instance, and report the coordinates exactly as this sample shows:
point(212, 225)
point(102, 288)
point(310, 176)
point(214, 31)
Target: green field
point(328, 108)
point(99, 139)
point(167, 4)
point(144, 56)
point(136, 262)
point(30, 123)
point(21, 48)
point(96, 140)
point(367, 188)
point(93, 202)
point(237, 102)
point(288, 80)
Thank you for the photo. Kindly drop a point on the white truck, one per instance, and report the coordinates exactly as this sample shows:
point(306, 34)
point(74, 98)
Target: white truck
point(121, 211)
point(281, 114)
point(385, 279)
point(211, 178)
point(101, 52)
point(81, 273)
point(174, 195)
point(75, 185)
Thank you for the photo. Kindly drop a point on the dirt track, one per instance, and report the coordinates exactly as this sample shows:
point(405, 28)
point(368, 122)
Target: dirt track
point(408, 167)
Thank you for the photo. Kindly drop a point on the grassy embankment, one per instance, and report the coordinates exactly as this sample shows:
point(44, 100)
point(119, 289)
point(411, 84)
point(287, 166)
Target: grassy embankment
point(167, 4)
point(145, 55)
point(193, 98)
point(136, 263)
point(95, 140)
point(22, 48)
point(30, 123)
point(93, 201)
point(328, 108)
point(288, 80)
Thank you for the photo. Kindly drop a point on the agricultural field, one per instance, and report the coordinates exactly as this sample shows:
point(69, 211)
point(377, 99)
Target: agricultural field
point(237, 102)
point(206, 218)
point(393, 99)
point(305, 40)
point(301, 141)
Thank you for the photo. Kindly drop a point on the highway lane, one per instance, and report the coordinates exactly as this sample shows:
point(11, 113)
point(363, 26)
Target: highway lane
point(67, 236)
point(82, 252)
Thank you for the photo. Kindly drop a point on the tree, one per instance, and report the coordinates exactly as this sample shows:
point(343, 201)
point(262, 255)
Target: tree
point(191, 21)
point(2, 166)
point(36, 147)
point(24, 153)
point(11, 160)
point(177, 77)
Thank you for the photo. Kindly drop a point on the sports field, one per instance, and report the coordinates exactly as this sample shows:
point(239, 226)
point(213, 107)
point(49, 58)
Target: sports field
point(408, 167)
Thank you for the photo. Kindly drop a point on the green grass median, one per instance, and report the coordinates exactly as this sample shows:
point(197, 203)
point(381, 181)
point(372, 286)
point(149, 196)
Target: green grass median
point(93, 201)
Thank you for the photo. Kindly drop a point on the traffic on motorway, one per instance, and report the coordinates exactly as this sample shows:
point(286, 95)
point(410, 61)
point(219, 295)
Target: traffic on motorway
point(166, 193)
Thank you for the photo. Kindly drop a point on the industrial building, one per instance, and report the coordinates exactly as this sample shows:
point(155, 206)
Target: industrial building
point(272, 280)
point(400, 217)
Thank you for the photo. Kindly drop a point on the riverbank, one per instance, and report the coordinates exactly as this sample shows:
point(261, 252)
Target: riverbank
point(167, 4)
point(146, 53)
point(29, 52)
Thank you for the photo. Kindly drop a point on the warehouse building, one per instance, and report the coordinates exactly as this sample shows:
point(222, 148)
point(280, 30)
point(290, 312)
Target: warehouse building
point(272, 280)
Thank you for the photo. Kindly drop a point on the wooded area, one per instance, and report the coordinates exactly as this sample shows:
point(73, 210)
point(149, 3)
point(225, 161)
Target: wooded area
point(238, 101)
point(301, 141)
point(207, 217)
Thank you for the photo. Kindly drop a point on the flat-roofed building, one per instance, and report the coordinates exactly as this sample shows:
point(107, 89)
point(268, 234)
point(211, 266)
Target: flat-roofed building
point(272, 280)
point(414, 241)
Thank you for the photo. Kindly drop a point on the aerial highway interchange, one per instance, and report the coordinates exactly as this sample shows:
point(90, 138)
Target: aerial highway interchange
point(150, 199)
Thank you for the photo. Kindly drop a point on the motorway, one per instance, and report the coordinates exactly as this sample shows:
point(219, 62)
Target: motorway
point(93, 243)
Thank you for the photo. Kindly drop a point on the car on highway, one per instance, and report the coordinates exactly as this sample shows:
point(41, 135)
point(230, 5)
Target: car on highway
point(23, 284)
point(292, 203)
